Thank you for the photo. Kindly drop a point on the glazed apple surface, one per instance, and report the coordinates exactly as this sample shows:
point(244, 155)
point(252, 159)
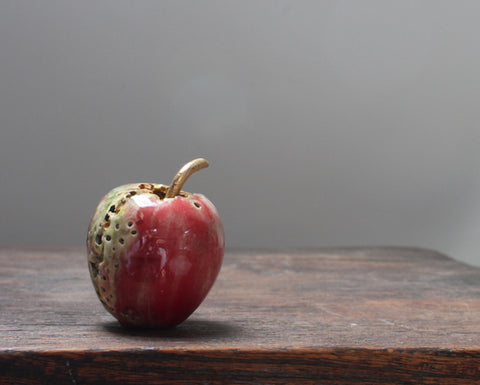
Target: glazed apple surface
point(154, 251)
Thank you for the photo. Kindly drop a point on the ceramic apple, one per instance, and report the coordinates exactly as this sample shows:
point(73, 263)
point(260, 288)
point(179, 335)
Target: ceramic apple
point(154, 251)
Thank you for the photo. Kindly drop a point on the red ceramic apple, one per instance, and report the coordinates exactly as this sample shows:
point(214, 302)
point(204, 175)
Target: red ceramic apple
point(154, 251)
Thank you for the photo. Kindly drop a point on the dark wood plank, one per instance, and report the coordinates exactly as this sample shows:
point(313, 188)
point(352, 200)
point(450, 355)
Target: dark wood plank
point(328, 316)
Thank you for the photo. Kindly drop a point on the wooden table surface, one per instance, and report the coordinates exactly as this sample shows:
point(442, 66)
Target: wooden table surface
point(326, 316)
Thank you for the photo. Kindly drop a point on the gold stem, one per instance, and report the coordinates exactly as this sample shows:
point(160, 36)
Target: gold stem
point(183, 174)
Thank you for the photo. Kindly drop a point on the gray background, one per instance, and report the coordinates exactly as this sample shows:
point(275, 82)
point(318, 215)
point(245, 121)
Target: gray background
point(326, 122)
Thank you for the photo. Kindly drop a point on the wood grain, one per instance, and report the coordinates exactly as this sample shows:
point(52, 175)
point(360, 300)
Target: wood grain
point(326, 316)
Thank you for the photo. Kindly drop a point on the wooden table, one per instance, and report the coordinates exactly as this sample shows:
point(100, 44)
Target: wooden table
point(326, 316)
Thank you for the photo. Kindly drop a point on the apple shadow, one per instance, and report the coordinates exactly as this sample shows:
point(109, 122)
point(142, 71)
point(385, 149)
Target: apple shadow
point(191, 329)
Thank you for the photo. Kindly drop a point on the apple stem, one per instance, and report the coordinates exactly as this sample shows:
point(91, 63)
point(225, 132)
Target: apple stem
point(183, 174)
